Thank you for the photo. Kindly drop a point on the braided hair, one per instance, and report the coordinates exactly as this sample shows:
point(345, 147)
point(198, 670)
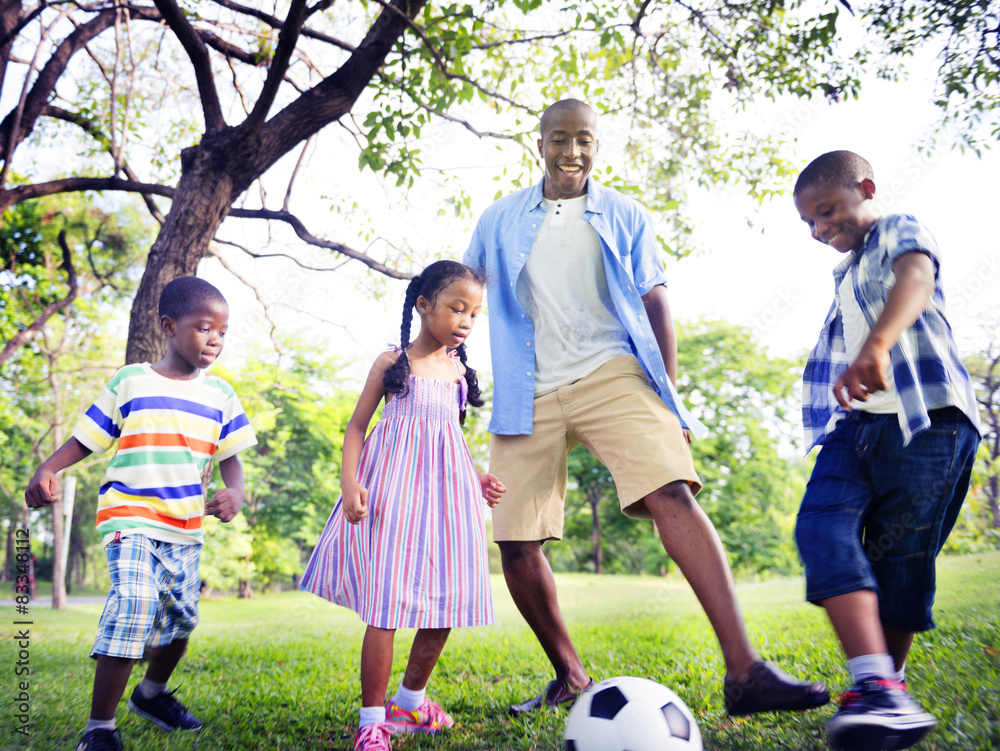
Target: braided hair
point(429, 283)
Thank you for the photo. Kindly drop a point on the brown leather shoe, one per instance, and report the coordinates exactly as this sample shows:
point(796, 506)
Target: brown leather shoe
point(556, 693)
point(769, 689)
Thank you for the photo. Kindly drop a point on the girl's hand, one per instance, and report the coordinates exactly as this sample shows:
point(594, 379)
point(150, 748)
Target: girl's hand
point(492, 488)
point(225, 504)
point(355, 503)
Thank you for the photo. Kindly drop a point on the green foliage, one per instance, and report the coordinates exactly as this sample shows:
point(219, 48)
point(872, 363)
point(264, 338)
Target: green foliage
point(978, 527)
point(299, 409)
point(106, 242)
point(660, 73)
point(225, 556)
point(52, 379)
point(752, 482)
point(281, 671)
point(968, 80)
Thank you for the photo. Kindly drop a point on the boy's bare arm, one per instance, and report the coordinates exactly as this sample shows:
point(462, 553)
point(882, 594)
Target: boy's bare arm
point(905, 302)
point(44, 485)
point(225, 504)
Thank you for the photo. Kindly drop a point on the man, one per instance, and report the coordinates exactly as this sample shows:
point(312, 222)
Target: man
point(584, 352)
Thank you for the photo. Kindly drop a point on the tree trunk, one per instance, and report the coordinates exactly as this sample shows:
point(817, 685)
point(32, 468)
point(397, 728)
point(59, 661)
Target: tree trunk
point(993, 498)
point(595, 532)
point(246, 593)
point(204, 196)
point(216, 171)
point(58, 574)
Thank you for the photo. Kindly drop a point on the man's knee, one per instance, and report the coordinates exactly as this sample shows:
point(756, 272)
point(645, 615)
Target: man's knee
point(514, 553)
point(673, 497)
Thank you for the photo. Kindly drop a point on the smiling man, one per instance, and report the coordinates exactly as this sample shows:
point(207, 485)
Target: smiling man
point(584, 352)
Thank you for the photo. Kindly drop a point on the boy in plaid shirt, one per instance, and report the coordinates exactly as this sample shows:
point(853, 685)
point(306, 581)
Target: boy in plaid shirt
point(169, 420)
point(887, 396)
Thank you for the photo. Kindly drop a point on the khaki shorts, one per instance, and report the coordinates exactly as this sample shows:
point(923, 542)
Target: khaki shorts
point(618, 416)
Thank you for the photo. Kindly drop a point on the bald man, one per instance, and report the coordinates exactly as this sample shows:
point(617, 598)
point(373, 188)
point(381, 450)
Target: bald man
point(584, 351)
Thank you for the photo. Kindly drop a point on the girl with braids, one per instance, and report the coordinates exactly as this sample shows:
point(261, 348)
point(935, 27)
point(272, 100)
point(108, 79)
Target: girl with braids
point(405, 546)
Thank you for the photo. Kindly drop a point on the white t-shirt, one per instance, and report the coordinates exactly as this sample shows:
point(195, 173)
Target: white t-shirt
point(856, 331)
point(564, 291)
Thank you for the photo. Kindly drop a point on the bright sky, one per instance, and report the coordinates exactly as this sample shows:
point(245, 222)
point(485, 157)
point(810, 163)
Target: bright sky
point(759, 266)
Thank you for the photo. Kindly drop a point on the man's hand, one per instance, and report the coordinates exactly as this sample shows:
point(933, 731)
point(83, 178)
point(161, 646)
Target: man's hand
point(225, 504)
point(493, 489)
point(865, 376)
point(355, 499)
point(43, 488)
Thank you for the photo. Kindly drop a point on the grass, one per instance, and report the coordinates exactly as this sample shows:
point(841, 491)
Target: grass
point(280, 672)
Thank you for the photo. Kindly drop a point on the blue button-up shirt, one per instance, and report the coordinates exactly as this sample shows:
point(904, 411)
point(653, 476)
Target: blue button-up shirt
point(500, 247)
point(926, 366)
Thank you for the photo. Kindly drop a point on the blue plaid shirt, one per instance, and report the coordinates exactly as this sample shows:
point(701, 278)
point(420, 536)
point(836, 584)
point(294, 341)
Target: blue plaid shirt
point(500, 247)
point(928, 371)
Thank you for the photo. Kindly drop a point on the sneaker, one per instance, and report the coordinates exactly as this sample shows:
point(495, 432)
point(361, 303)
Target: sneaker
point(373, 738)
point(878, 715)
point(429, 718)
point(101, 740)
point(164, 710)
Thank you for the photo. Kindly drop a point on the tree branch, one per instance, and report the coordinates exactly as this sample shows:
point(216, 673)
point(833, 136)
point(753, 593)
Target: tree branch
point(334, 96)
point(50, 74)
point(442, 65)
point(23, 337)
point(287, 39)
point(296, 224)
point(197, 53)
point(20, 193)
point(256, 292)
point(275, 23)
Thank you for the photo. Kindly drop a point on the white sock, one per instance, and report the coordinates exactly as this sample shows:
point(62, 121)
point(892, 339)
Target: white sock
point(871, 666)
point(148, 689)
point(371, 715)
point(409, 700)
point(93, 724)
point(899, 675)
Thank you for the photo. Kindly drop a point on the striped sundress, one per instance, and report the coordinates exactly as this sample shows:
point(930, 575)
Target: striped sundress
point(418, 560)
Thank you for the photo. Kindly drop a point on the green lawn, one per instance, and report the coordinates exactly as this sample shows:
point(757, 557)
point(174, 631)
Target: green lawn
point(280, 671)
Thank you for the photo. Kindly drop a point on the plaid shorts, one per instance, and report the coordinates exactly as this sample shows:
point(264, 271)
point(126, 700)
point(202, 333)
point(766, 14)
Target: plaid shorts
point(153, 599)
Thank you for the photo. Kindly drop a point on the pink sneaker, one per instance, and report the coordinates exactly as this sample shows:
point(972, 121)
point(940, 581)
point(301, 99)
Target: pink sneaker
point(373, 737)
point(429, 718)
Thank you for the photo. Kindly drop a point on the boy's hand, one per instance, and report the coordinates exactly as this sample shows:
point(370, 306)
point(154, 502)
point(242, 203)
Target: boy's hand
point(493, 489)
point(864, 376)
point(43, 488)
point(225, 504)
point(355, 503)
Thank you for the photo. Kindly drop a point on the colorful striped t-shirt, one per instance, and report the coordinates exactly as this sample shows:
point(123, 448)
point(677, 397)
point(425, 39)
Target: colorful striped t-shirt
point(167, 430)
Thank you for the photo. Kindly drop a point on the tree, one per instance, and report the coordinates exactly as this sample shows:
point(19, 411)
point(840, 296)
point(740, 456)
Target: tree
point(967, 33)
point(752, 481)
point(65, 263)
point(984, 367)
point(299, 414)
point(594, 483)
point(196, 102)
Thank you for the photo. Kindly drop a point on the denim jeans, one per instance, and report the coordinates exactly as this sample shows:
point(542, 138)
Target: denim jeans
point(876, 513)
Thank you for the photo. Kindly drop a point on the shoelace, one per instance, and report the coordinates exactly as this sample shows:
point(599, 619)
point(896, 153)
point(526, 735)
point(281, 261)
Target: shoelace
point(376, 733)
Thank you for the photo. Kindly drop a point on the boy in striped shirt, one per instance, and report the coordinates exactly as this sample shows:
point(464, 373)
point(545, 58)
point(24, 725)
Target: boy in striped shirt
point(169, 420)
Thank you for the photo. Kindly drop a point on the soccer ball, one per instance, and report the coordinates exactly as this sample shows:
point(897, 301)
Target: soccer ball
point(630, 714)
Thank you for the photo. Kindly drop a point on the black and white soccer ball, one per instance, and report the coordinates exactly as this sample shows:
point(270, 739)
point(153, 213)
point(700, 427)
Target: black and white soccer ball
point(630, 714)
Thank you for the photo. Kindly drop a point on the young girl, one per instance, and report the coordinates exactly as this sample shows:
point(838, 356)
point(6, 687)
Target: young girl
point(413, 551)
